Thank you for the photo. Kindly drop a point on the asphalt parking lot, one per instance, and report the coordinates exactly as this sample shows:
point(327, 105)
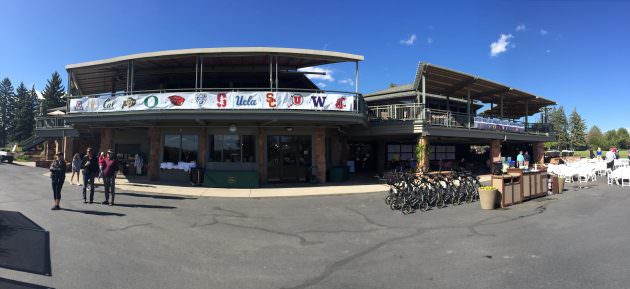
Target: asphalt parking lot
point(579, 239)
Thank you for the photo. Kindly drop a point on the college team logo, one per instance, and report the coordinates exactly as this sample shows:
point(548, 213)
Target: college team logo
point(221, 99)
point(201, 98)
point(242, 101)
point(296, 100)
point(151, 101)
point(341, 103)
point(110, 103)
point(318, 101)
point(176, 100)
point(78, 106)
point(129, 102)
point(271, 100)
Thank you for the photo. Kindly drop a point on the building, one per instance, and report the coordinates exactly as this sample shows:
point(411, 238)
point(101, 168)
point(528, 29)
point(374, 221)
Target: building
point(251, 116)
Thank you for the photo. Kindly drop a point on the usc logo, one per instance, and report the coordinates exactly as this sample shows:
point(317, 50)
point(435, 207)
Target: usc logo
point(271, 100)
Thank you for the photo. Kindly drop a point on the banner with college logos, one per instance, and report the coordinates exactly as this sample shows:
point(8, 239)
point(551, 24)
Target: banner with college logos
point(215, 100)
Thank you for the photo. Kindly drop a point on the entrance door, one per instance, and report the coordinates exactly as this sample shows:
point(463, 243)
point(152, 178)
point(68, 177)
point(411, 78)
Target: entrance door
point(288, 158)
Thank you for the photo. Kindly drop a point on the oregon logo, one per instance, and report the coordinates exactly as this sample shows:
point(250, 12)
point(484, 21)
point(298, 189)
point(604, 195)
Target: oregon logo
point(151, 101)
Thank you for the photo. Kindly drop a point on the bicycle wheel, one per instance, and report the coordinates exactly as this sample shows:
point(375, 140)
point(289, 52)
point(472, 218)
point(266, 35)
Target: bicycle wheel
point(388, 200)
point(407, 209)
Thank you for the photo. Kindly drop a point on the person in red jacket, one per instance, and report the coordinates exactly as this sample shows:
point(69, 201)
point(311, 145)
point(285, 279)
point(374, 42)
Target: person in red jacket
point(101, 164)
point(109, 177)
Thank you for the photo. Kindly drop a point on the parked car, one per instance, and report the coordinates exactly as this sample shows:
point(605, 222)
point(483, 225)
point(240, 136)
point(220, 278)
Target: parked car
point(6, 155)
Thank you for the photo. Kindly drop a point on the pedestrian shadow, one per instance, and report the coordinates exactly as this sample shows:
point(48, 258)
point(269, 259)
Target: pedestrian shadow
point(161, 197)
point(144, 206)
point(96, 213)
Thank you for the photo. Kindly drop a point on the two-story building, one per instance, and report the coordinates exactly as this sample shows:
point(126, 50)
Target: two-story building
point(253, 113)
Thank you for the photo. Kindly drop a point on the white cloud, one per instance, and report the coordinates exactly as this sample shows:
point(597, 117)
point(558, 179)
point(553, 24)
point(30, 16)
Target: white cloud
point(321, 84)
point(327, 76)
point(543, 32)
point(410, 41)
point(429, 40)
point(347, 81)
point(39, 94)
point(520, 27)
point(501, 45)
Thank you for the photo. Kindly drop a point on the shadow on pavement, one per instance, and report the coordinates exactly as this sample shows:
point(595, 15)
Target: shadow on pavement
point(97, 213)
point(12, 284)
point(155, 196)
point(24, 245)
point(144, 206)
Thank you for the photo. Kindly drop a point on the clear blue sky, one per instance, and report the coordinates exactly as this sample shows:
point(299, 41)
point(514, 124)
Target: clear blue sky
point(574, 52)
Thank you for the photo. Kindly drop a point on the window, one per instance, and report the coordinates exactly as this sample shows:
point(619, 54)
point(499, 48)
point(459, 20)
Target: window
point(180, 148)
point(442, 152)
point(232, 148)
point(400, 152)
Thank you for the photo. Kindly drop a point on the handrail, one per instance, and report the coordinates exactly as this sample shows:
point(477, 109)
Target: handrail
point(50, 122)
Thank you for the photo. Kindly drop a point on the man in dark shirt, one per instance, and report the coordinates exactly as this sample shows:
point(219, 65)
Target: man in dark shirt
point(89, 165)
point(109, 177)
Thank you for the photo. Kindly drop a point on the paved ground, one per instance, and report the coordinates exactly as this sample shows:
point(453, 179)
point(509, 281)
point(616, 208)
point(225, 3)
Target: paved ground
point(580, 239)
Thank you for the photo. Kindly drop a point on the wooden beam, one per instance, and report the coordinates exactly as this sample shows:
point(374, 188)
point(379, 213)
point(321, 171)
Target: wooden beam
point(490, 92)
point(456, 87)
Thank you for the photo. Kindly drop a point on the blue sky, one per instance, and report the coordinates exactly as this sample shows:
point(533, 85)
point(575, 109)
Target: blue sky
point(574, 52)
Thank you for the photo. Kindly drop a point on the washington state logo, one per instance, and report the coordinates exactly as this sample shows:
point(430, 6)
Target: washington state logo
point(176, 100)
point(201, 98)
point(341, 103)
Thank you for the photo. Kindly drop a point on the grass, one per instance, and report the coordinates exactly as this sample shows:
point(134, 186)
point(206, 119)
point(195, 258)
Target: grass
point(622, 153)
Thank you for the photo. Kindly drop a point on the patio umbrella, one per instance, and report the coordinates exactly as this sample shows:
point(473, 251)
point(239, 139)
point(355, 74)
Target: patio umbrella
point(56, 113)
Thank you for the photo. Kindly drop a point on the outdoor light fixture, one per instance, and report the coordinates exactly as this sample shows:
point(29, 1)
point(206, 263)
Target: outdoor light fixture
point(233, 128)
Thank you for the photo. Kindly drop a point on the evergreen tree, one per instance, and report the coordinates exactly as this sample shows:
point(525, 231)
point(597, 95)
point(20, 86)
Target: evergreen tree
point(577, 130)
point(7, 98)
point(559, 123)
point(595, 138)
point(25, 113)
point(53, 93)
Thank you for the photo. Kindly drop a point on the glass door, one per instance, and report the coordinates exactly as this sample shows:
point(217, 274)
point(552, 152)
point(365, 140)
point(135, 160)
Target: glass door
point(288, 158)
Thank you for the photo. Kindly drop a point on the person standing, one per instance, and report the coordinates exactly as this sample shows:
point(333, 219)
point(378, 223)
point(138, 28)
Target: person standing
point(57, 176)
point(610, 158)
point(109, 177)
point(101, 164)
point(591, 155)
point(526, 159)
point(520, 159)
point(89, 166)
point(76, 169)
point(599, 153)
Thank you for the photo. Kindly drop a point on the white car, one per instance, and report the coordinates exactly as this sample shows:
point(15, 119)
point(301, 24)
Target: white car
point(6, 155)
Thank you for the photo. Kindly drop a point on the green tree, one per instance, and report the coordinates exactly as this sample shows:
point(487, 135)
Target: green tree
point(559, 123)
point(53, 93)
point(7, 104)
point(577, 130)
point(595, 137)
point(610, 139)
point(25, 112)
point(391, 84)
point(622, 138)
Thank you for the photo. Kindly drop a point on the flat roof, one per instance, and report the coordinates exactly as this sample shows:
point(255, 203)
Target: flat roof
point(322, 55)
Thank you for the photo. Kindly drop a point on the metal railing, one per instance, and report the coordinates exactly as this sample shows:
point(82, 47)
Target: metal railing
point(51, 123)
point(360, 104)
point(445, 118)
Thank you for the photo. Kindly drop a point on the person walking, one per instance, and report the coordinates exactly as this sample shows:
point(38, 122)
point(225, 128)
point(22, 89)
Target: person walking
point(101, 164)
point(57, 176)
point(76, 169)
point(89, 165)
point(109, 177)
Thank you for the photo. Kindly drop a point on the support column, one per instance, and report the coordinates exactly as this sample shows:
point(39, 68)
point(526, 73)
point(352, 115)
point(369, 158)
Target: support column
point(538, 155)
point(260, 156)
point(106, 139)
point(68, 148)
point(58, 146)
point(495, 151)
point(423, 163)
point(50, 149)
point(203, 147)
point(336, 151)
point(154, 154)
point(319, 153)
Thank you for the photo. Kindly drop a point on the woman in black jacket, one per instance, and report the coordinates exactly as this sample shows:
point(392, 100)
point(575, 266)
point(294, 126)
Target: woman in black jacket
point(57, 176)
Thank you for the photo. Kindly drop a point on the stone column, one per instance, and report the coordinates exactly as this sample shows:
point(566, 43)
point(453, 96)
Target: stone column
point(495, 151)
point(260, 156)
point(319, 153)
point(153, 164)
point(423, 162)
point(68, 148)
point(106, 139)
point(202, 157)
point(538, 155)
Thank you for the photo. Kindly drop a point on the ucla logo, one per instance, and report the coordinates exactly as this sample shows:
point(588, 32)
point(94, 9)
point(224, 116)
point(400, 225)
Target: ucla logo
point(242, 101)
point(201, 98)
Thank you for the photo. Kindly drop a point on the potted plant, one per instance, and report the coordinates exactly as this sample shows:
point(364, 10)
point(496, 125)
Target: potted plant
point(487, 197)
